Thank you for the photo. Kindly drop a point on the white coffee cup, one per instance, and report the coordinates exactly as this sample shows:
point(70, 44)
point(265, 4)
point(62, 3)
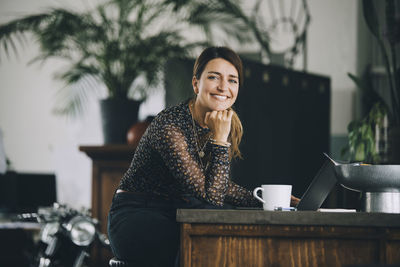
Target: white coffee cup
point(274, 195)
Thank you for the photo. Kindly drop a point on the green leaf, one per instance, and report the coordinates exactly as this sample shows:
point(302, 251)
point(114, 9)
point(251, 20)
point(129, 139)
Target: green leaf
point(359, 83)
point(371, 17)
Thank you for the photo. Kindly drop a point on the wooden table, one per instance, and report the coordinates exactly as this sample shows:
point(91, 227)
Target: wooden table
point(278, 238)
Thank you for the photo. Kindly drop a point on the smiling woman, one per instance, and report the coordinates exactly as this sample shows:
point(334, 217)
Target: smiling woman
point(183, 160)
point(217, 74)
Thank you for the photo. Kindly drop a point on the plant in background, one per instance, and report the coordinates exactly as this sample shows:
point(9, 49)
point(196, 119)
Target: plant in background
point(386, 30)
point(216, 18)
point(281, 26)
point(364, 135)
point(121, 40)
point(362, 144)
point(113, 45)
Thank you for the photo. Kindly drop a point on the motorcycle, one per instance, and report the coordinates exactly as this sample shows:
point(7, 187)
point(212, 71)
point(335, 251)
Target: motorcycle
point(66, 236)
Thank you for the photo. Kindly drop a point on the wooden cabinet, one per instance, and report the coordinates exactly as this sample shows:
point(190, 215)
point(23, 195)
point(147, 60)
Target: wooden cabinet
point(110, 162)
point(259, 238)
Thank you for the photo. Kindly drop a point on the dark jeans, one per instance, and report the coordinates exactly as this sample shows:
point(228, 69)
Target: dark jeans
point(143, 230)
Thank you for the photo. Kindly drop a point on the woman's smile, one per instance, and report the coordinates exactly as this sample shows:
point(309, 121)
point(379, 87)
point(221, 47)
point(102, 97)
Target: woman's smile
point(220, 97)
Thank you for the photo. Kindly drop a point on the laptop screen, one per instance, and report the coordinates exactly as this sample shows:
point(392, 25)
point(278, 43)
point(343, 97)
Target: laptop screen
point(319, 188)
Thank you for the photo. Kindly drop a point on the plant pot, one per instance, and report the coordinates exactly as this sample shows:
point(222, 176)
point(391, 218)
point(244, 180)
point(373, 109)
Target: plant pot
point(117, 116)
point(137, 130)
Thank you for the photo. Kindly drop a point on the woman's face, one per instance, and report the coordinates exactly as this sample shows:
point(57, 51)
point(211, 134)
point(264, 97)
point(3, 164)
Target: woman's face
point(218, 86)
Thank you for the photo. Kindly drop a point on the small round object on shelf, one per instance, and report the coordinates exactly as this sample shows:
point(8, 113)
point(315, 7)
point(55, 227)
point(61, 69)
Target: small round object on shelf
point(137, 130)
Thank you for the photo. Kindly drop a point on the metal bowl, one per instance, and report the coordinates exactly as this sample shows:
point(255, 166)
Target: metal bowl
point(369, 178)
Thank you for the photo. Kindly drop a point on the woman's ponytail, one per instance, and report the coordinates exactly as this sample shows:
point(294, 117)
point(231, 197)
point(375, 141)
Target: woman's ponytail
point(235, 136)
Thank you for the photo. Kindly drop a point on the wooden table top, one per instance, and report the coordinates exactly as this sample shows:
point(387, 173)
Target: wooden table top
point(253, 216)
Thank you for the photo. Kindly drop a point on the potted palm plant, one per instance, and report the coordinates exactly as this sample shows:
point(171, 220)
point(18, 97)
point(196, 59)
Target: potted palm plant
point(111, 46)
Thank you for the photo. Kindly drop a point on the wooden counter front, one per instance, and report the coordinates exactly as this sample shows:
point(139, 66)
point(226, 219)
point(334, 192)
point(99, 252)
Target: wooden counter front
point(260, 238)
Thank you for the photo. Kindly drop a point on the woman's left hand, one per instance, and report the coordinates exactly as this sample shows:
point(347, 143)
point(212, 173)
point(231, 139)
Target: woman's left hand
point(294, 201)
point(219, 123)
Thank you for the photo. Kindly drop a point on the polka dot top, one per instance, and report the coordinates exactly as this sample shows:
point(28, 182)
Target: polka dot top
point(167, 163)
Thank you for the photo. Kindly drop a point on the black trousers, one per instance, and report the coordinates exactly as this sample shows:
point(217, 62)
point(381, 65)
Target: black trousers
point(143, 230)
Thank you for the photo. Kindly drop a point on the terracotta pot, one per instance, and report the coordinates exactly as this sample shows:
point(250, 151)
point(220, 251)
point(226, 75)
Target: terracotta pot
point(137, 130)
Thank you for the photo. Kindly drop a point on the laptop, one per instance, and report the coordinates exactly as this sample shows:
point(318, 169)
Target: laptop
point(319, 188)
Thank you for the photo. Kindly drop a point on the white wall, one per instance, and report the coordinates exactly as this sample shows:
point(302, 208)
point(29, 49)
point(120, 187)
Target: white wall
point(38, 141)
point(332, 50)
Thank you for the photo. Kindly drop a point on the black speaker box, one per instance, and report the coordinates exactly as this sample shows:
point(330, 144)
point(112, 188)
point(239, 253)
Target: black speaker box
point(25, 192)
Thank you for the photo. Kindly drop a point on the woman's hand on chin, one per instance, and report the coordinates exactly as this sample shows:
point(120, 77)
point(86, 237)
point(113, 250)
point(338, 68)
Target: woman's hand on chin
point(219, 123)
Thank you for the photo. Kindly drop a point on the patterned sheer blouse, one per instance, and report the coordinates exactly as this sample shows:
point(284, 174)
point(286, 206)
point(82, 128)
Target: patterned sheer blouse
point(167, 163)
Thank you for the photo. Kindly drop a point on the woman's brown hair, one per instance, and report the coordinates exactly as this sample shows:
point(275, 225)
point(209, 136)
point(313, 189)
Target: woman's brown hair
point(208, 54)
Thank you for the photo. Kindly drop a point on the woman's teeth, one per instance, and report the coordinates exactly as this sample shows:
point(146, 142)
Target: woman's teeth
point(220, 97)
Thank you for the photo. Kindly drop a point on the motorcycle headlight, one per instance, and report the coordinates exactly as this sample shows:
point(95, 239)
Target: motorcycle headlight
point(48, 231)
point(82, 231)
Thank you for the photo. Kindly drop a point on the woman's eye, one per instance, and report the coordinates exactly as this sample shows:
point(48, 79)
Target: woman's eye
point(212, 77)
point(233, 81)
